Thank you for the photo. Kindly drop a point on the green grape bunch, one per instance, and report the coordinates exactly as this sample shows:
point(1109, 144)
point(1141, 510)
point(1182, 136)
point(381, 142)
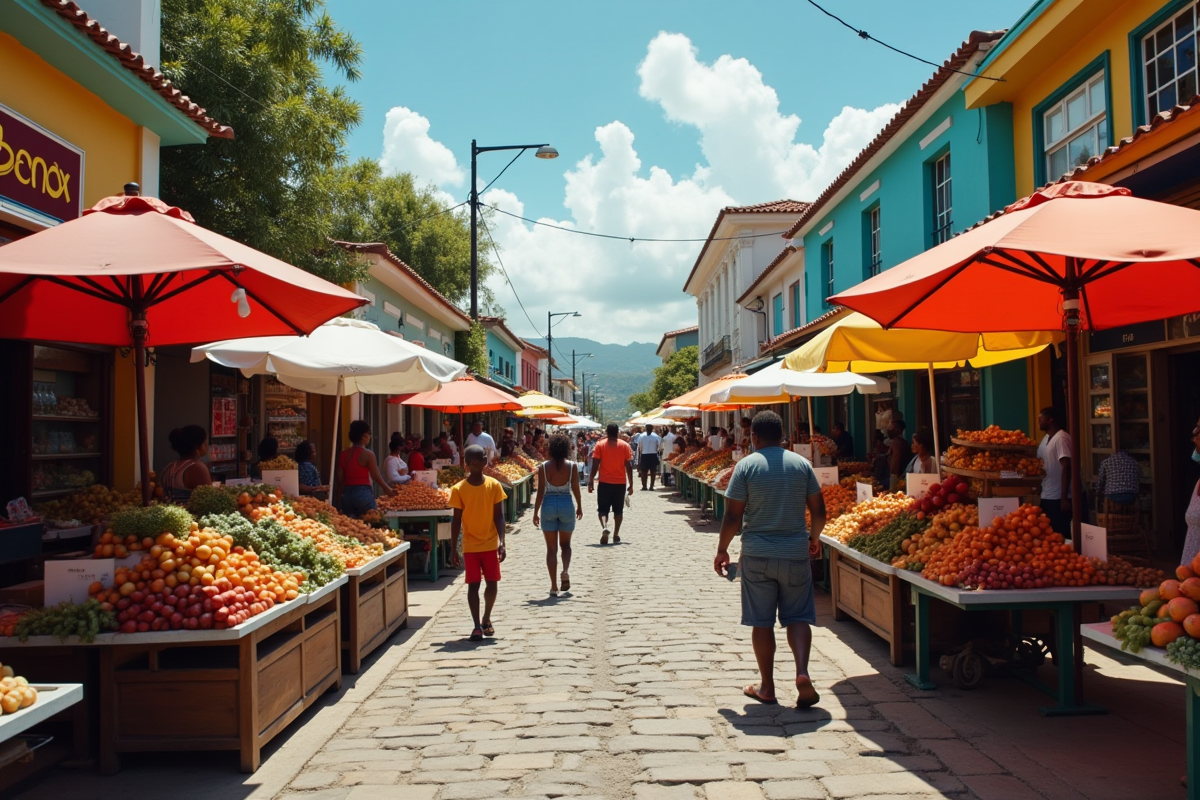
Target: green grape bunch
point(1132, 626)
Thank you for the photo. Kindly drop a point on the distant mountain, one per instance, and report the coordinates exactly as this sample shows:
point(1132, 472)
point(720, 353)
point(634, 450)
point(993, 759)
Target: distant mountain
point(621, 369)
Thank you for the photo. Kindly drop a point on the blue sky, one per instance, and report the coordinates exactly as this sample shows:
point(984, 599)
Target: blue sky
point(656, 132)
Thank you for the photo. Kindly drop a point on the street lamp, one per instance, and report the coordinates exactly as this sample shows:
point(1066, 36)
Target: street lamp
point(543, 151)
point(549, 341)
point(574, 358)
point(585, 376)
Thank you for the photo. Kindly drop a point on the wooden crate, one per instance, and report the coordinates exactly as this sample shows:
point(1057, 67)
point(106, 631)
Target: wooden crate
point(374, 606)
point(171, 694)
point(870, 596)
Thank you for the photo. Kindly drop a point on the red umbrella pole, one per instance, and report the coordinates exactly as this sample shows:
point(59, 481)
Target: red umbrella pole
point(462, 440)
point(138, 329)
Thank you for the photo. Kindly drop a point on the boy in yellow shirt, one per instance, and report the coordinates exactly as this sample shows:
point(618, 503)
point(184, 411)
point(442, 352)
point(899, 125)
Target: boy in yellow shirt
point(478, 503)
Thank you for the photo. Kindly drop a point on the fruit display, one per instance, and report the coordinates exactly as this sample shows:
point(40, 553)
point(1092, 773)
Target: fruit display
point(344, 526)
point(1119, 572)
point(1166, 616)
point(15, 691)
point(91, 505)
point(823, 444)
point(506, 471)
point(448, 476)
point(9, 620)
point(414, 497)
point(691, 457)
point(888, 542)
point(146, 523)
point(994, 434)
point(943, 526)
point(848, 469)
point(527, 462)
point(708, 469)
point(207, 500)
point(950, 491)
point(278, 548)
point(278, 462)
point(84, 620)
point(352, 552)
point(868, 516)
point(959, 457)
point(721, 481)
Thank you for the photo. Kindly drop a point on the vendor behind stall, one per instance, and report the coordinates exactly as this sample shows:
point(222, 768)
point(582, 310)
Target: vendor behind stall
point(268, 449)
point(356, 468)
point(395, 468)
point(310, 476)
point(187, 472)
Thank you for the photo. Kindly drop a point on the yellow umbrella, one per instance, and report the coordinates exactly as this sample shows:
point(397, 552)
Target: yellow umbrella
point(540, 400)
point(857, 343)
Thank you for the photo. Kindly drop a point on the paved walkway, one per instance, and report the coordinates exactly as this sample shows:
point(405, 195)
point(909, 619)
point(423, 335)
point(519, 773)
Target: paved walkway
point(629, 687)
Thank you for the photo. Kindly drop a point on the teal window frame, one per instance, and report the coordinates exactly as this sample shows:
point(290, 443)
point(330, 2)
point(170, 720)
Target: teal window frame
point(795, 293)
point(869, 240)
point(1103, 61)
point(827, 276)
point(777, 314)
point(1137, 78)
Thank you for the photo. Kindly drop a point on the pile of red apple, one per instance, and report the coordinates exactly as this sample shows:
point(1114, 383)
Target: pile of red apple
point(950, 491)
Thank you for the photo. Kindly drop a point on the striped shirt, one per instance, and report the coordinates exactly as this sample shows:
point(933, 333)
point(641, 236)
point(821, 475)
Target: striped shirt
point(775, 485)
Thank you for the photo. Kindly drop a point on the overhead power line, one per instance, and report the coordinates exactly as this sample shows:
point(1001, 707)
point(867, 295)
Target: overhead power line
point(627, 238)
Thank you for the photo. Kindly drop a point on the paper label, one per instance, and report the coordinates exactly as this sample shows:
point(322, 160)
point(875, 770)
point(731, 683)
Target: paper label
point(737, 456)
point(918, 483)
point(238, 481)
point(803, 450)
point(286, 479)
point(69, 579)
point(992, 507)
point(443, 531)
point(426, 476)
point(826, 476)
point(865, 492)
point(19, 510)
point(1009, 474)
point(1095, 541)
point(439, 464)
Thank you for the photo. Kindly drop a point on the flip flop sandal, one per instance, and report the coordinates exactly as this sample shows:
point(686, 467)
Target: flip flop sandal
point(804, 701)
point(751, 691)
point(565, 582)
point(477, 635)
point(488, 630)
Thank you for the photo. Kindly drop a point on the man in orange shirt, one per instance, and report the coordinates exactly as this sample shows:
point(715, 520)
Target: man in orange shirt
point(612, 461)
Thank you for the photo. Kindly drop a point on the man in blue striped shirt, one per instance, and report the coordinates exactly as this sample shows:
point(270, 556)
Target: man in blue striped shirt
point(765, 503)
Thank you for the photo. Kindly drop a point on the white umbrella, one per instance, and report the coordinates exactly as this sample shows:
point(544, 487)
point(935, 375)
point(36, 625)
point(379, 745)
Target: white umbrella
point(681, 412)
point(777, 384)
point(342, 357)
point(582, 424)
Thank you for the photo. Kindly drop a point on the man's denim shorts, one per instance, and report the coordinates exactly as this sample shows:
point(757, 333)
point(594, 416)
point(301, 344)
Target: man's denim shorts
point(776, 587)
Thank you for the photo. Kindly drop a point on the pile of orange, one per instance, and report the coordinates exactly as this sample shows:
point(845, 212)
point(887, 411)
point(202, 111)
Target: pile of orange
point(351, 552)
point(960, 457)
point(994, 434)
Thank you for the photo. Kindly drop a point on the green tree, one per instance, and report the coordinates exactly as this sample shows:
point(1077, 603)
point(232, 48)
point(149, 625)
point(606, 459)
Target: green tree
point(680, 374)
point(470, 348)
point(257, 65)
point(429, 236)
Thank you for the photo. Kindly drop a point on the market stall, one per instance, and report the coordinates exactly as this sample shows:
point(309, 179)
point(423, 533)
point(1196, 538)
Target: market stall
point(375, 605)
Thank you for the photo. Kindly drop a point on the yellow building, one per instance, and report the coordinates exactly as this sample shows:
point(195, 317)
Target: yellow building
point(82, 113)
point(1103, 90)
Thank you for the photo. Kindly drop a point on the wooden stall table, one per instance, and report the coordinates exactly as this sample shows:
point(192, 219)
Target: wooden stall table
point(432, 517)
point(1101, 633)
point(718, 503)
point(1064, 601)
point(374, 605)
point(53, 700)
point(869, 592)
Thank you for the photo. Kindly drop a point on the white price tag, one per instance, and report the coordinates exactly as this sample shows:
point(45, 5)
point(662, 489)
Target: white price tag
point(426, 476)
point(826, 476)
point(69, 579)
point(1095, 541)
point(803, 450)
point(238, 481)
point(918, 483)
point(865, 492)
point(1010, 474)
point(286, 479)
point(992, 507)
point(439, 464)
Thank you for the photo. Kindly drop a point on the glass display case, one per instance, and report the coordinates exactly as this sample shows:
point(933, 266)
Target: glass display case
point(223, 447)
point(286, 412)
point(1099, 429)
point(1120, 406)
point(68, 428)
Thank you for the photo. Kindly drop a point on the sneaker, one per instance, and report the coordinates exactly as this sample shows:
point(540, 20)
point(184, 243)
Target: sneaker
point(604, 537)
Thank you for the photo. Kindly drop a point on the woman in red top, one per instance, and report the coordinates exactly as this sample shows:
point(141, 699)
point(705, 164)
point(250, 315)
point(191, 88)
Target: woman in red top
point(356, 467)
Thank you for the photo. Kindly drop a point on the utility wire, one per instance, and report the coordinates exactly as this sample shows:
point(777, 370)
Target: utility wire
point(412, 222)
point(868, 37)
point(506, 166)
point(627, 238)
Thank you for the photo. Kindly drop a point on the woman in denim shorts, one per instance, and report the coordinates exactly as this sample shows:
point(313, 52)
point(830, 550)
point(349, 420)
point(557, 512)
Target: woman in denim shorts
point(553, 510)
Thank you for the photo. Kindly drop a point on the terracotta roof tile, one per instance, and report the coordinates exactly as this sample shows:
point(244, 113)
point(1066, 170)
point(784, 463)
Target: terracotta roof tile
point(134, 63)
point(907, 112)
point(670, 334)
point(787, 337)
point(501, 323)
point(773, 207)
point(381, 249)
point(779, 259)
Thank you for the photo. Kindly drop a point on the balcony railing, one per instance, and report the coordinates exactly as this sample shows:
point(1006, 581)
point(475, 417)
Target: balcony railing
point(716, 354)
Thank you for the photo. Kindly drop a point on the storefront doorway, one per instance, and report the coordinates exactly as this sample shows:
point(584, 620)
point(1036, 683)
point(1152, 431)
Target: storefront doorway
point(1184, 372)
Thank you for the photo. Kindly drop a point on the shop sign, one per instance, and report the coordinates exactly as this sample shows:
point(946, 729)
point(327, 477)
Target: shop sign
point(41, 175)
point(1183, 327)
point(1129, 336)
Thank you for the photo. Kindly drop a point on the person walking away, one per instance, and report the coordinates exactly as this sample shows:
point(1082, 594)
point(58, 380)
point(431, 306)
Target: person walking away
point(612, 462)
point(843, 441)
point(395, 470)
point(648, 450)
point(185, 473)
point(1055, 452)
point(668, 446)
point(478, 503)
point(898, 452)
point(558, 480)
point(356, 468)
point(308, 474)
point(1118, 479)
point(922, 462)
point(484, 440)
point(1191, 545)
point(765, 503)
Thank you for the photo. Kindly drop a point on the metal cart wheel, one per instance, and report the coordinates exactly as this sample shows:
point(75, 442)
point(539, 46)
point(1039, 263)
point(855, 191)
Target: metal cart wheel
point(1031, 652)
point(969, 670)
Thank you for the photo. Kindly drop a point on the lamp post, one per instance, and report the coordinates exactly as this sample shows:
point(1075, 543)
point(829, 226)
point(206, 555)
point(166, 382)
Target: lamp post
point(574, 358)
point(550, 315)
point(543, 151)
point(585, 376)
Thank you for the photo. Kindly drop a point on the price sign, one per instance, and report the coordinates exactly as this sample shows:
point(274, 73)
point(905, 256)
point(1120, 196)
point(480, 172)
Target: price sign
point(286, 479)
point(865, 492)
point(1095, 541)
point(918, 483)
point(69, 579)
point(426, 476)
point(826, 476)
point(238, 481)
point(803, 450)
point(992, 507)
point(439, 463)
point(1009, 474)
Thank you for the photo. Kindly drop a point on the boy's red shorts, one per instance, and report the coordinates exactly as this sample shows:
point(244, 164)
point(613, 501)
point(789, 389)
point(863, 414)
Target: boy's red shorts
point(482, 565)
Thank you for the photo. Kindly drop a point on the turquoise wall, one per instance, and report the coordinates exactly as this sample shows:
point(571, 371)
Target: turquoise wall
point(375, 313)
point(503, 362)
point(687, 340)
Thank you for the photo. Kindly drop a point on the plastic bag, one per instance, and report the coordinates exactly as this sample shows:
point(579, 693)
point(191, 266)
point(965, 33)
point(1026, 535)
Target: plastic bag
point(629, 501)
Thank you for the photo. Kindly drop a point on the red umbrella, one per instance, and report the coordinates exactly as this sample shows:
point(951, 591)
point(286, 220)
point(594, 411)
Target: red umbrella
point(1074, 256)
point(135, 271)
point(464, 396)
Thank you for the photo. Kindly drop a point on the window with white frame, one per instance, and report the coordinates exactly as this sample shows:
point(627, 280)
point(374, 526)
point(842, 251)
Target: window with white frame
point(876, 263)
point(943, 200)
point(1169, 62)
point(1076, 127)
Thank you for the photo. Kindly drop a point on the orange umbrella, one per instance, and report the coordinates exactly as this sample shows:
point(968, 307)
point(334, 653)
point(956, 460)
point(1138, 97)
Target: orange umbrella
point(464, 396)
point(701, 396)
point(1071, 256)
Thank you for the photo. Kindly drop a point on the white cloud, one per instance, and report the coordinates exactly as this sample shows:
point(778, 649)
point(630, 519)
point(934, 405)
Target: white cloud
point(408, 147)
point(626, 291)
